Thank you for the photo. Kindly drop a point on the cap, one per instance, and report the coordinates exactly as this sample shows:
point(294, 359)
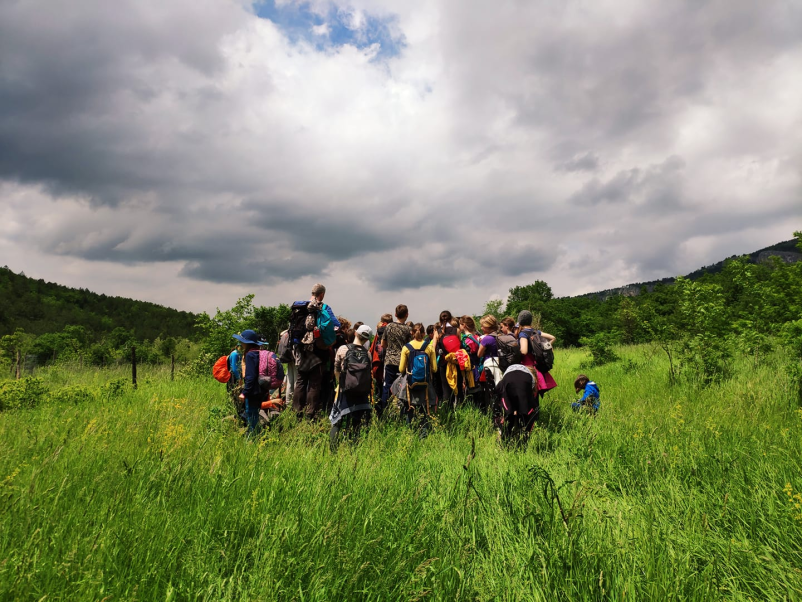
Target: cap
point(365, 332)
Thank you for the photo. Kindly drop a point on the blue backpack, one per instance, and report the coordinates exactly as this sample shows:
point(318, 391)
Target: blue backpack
point(418, 366)
point(325, 326)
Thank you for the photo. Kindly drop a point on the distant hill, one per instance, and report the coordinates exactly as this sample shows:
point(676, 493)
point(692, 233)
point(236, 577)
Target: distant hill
point(787, 251)
point(39, 307)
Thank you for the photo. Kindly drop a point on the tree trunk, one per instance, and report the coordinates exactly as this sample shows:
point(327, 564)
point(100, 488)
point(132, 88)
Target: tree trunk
point(133, 366)
point(19, 360)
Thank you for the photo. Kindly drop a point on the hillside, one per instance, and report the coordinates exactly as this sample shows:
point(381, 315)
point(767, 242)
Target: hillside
point(39, 307)
point(786, 251)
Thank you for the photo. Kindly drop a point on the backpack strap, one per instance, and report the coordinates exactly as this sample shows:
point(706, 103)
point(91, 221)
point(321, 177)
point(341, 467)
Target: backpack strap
point(423, 347)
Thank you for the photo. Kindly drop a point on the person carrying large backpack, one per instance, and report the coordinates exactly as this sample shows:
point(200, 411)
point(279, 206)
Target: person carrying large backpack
point(536, 349)
point(418, 362)
point(352, 370)
point(312, 333)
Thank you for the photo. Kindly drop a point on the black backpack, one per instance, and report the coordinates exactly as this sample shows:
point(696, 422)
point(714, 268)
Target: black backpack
point(540, 350)
point(299, 324)
point(509, 351)
point(356, 376)
point(285, 349)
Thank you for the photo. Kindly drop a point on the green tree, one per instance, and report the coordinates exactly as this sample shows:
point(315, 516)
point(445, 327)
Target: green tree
point(272, 321)
point(217, 330)
point(533, 297)
point(13, 348)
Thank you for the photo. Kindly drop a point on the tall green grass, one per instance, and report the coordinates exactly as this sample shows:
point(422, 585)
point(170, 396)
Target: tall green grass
point(670, 493)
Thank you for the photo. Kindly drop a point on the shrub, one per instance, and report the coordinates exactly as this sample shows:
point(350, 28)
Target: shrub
point(114, 388)
point(24, 393)
point(74, 395)
point(199, 367)
point(600, 346)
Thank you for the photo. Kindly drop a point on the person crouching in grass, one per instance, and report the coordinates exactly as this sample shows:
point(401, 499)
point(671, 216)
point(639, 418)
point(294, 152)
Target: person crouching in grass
point(591, 398)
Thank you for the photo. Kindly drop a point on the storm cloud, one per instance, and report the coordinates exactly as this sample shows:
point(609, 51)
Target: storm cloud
point(421, 149)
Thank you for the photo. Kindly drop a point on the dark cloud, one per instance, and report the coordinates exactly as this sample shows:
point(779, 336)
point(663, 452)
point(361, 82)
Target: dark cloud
point(658, 187)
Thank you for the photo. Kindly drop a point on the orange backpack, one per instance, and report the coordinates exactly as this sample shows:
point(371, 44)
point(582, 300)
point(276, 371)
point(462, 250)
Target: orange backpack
point(220, 370)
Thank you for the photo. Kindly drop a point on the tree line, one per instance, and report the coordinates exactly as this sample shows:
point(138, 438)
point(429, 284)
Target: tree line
point(698, 322)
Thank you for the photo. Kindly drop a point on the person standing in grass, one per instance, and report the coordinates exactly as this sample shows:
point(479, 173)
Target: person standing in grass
point(396, 335)
point(488, 347)
point(591, 398)
point(352, 372)
point(234, 384)
point(313, 377)
point(418, 362)
point(251, 391)
point(528, 337)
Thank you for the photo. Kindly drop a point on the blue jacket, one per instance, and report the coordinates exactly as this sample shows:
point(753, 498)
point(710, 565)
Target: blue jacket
point(251, 389)
point(233, 364)
point(592, 390)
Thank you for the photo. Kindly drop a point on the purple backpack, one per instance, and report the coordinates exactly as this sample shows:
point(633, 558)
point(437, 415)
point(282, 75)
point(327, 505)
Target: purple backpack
point(270, 368)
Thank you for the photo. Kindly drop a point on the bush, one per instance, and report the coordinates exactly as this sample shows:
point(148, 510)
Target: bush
point(600, 346)
point(114, 388)
point(74, 395)
point(199, 367)
point(24, 393)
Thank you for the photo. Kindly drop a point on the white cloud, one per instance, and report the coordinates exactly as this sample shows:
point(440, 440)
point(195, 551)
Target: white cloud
point(587, 145)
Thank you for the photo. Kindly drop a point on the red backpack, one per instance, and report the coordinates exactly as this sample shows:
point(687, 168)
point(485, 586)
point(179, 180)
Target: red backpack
point(451, 343)
point(220, 370)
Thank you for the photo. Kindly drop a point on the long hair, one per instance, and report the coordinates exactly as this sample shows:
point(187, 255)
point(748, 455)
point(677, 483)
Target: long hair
point(489, 321)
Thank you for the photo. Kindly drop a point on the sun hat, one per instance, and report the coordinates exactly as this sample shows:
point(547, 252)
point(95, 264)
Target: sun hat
point(365, 332)
point(249, 337)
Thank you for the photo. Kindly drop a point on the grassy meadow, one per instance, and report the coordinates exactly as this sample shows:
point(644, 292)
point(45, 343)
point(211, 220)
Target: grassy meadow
point(670, 493)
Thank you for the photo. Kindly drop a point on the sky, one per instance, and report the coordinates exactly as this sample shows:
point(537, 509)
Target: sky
point(427, 152)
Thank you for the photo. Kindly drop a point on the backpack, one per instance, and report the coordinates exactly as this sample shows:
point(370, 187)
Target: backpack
point(377, 355)
point(540, 350)
point(271, 371)
point(418, 366)
point(220, 370)
point(451, 343)
point(324, 328)
point(285, 349)
point(356, 375)
point(470, 344)
point(298, 323)
point(509, 351)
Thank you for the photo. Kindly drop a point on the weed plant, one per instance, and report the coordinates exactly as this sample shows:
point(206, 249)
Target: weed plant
point(680, 492)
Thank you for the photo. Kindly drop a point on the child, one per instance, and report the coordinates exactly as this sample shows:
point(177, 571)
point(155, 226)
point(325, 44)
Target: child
point(591, 397)
point(420, 394)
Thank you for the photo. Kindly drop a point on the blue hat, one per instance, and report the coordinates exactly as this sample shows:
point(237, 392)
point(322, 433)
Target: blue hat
point(249, 337)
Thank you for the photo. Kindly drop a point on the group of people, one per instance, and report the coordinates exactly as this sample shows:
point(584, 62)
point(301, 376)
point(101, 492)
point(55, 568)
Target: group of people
point(352, 372)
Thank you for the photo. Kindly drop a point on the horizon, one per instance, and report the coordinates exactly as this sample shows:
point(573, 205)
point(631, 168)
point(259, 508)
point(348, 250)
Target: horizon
point(211, 311)
point(429, 153)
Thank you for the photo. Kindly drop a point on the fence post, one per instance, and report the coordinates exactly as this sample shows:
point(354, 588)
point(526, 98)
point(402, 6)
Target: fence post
point(133, 365)
point(172, 366)
point(19, 358)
